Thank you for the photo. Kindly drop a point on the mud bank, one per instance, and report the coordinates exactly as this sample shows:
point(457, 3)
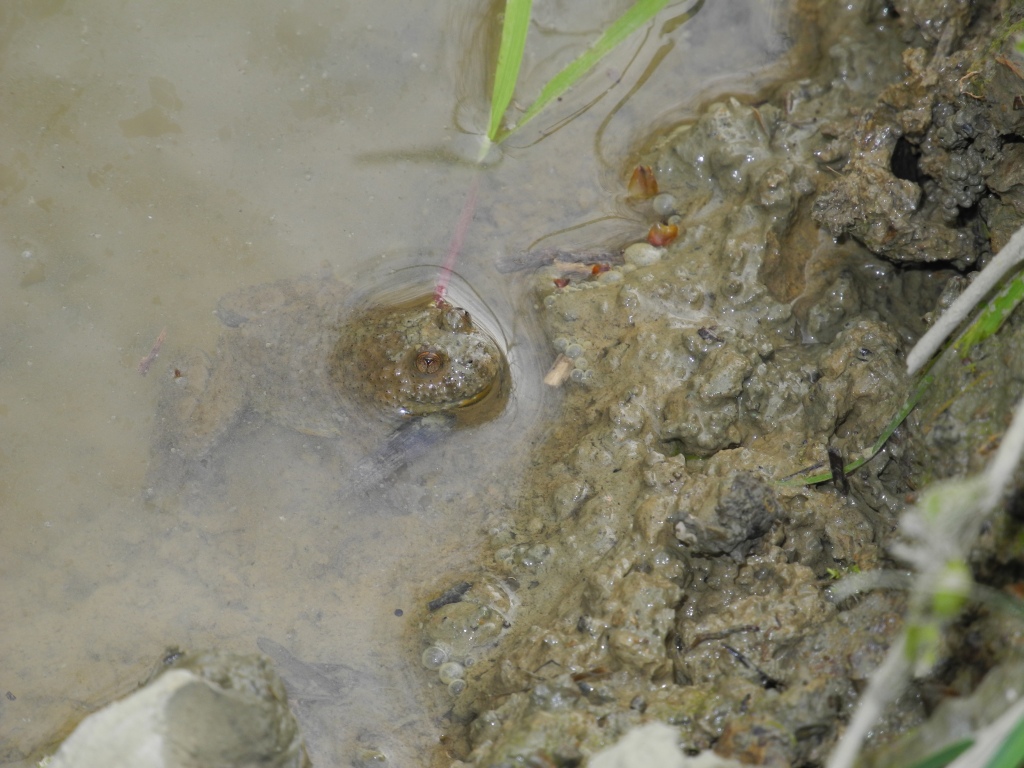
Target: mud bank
point(657, 569)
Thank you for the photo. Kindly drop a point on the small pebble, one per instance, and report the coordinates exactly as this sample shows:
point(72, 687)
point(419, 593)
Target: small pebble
point(664, 204)
point(643, 254)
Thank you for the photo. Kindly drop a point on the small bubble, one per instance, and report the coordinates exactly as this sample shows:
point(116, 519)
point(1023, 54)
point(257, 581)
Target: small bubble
point(434, 657)
point(664, 204)
point(450, 672)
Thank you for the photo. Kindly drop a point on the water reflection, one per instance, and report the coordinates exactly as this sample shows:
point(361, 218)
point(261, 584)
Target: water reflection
point(159, 157)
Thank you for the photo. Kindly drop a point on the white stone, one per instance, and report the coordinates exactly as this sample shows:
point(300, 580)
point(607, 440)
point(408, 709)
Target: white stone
point(655, 745)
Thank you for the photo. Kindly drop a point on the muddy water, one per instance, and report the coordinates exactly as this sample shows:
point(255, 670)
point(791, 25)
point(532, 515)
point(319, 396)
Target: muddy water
point(156, 157)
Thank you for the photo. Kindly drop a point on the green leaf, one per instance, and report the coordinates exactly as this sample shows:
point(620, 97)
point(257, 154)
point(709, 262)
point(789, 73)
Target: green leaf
point(1011, 753)
point(899, 418)
point(992, 317)
point(946, 755)
point(510, 60)
point(640, 13)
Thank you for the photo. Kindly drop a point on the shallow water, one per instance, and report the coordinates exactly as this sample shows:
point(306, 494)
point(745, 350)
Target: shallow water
point(158, 156)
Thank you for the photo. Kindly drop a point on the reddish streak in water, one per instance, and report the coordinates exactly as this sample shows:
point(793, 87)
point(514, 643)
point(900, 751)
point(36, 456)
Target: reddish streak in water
point(456, 245)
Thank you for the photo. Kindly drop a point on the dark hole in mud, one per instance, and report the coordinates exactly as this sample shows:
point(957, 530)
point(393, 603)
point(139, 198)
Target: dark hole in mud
point(967, 215)
point(905, 162)
point(671, 447)
point(817, 731)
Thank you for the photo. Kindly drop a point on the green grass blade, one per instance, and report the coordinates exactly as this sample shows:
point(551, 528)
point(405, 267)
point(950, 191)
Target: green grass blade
point(945, 756)
point(987, 323)
point(510, 59)
point(640, 13)
point(1011, 753)
point(899, 418)
point(992, 317)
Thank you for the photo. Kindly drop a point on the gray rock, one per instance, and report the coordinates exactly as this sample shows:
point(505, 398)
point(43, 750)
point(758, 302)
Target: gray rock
point(211, 708)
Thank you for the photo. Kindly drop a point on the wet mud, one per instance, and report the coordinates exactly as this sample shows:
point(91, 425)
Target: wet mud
point(658, 566)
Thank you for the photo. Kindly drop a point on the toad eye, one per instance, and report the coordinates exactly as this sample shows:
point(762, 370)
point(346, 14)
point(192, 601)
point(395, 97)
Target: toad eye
point(430, 361)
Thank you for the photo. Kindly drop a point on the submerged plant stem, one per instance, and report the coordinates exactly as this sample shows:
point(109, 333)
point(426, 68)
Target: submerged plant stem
point(455, 247)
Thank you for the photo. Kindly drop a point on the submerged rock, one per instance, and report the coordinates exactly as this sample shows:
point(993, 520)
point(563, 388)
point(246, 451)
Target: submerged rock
point(204, 709)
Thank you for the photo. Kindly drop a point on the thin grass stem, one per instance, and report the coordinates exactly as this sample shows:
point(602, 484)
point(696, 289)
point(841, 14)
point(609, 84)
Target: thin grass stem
point(885, 685)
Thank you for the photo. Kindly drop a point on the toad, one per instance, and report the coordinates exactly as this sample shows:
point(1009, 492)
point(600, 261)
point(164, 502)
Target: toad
point(296, 353)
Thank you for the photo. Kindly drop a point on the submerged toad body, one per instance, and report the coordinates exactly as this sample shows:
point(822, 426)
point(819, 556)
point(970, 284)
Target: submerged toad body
point(416, 358)
point(294, 354)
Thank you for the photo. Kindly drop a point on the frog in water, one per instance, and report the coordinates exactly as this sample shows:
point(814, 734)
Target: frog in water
point(295, 353)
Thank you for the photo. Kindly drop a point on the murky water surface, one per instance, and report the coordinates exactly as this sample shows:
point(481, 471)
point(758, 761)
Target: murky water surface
point(159, 156)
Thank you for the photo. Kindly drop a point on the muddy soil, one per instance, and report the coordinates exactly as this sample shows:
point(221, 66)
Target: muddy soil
point(657, 569)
